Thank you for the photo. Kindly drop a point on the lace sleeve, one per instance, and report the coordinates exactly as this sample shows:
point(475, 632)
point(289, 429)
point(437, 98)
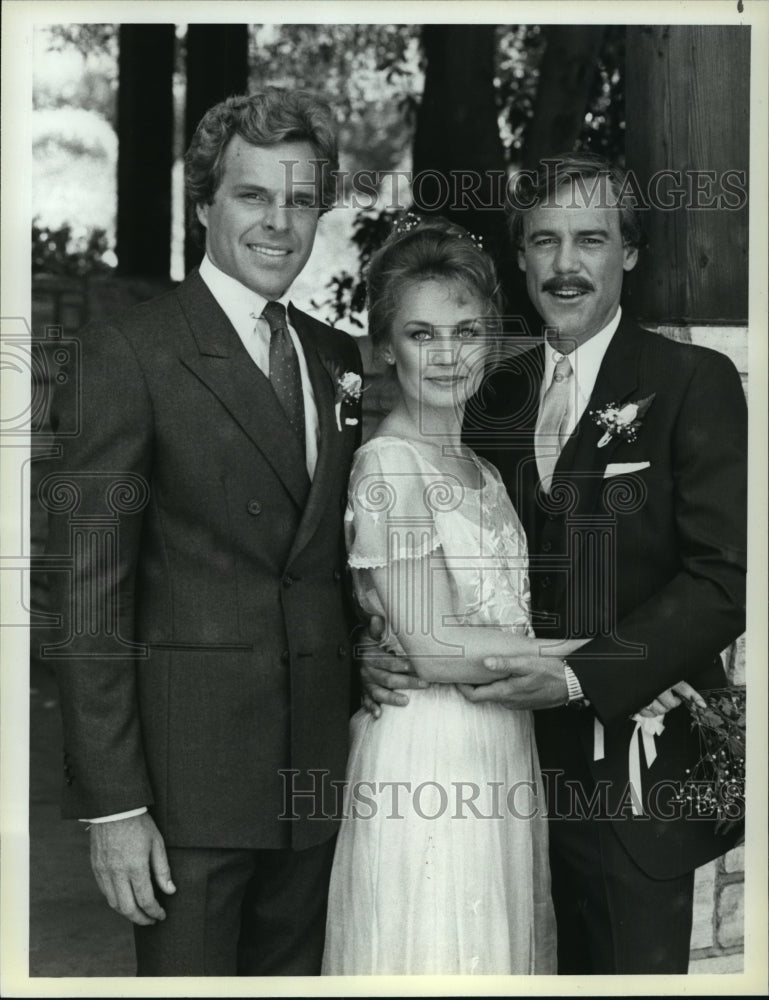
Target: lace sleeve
point(393, 498)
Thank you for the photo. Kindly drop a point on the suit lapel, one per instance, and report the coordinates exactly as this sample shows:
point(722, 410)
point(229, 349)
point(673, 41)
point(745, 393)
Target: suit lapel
point(527, 475)
point(582, 462)
point(500, 421)
point(330, 443)
point(222, 364)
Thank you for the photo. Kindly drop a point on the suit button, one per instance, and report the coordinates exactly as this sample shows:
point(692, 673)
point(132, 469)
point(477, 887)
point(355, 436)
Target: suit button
point(287, 581)
point(341, 651)
point(254, 507)
point(68, 779)
point(337, 575)
point(546, 546)
point(284, 656)
point(544, 582)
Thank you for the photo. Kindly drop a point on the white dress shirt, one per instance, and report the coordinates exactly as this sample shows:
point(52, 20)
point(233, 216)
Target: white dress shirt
point(240, 305)
point(585, 362)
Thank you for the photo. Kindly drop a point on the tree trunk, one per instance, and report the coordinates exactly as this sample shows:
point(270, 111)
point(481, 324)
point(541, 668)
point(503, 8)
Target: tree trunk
point(145, 150)
point(217, 67)
point(459, 161)
point(565, 79)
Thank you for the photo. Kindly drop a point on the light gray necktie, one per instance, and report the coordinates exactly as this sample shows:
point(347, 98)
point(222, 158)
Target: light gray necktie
point(551, 431)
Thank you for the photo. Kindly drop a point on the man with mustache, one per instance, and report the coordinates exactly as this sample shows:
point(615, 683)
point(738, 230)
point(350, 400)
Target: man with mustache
point(625, 456)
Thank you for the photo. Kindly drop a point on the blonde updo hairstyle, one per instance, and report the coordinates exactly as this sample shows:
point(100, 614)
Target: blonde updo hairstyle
point(423, 250)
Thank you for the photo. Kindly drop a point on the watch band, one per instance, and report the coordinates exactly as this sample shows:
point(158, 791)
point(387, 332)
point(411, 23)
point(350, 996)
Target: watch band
point(573, 686)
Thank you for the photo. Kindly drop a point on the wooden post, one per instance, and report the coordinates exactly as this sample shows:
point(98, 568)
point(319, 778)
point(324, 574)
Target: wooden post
point(217, 67)
point(687, 111)
point(145, 150)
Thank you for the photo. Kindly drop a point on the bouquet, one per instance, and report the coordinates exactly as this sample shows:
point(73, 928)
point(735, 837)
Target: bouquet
point(716, 785)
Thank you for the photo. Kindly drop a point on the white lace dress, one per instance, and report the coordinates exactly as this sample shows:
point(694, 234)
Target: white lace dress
point(441, 863)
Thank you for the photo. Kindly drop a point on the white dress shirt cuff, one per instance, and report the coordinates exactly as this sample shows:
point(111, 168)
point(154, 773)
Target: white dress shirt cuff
point(124, 815)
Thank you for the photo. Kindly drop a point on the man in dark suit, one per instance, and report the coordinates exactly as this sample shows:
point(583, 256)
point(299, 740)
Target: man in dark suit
point(637, 543)
point(205, 669)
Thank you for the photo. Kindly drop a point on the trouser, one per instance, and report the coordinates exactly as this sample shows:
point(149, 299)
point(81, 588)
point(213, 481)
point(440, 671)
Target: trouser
point(240, 913)
point(613, 918)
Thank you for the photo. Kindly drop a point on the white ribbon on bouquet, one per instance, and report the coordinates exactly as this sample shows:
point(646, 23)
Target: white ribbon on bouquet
point(649, 727)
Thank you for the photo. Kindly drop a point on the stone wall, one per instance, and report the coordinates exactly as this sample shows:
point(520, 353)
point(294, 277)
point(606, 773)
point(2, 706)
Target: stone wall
point(718, 933)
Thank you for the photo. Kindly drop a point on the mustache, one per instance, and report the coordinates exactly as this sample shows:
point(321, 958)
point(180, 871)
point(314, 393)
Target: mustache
point(573, 283)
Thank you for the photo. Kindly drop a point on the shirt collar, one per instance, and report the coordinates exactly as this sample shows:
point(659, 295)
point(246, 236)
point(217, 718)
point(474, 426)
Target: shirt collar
point(585, 359)
point(239, 303)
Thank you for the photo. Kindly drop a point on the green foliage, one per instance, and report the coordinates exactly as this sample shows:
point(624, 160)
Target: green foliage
point(347, 299)
point(63, 81)
point(57, 251)
point(74, 132)
point(355, 65)
point(88, 39)
point(520, 48)
point(371, 74)
point(603, 131)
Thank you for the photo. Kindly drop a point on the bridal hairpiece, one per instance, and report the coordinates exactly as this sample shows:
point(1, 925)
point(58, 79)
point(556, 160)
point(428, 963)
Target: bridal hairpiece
point(411, 221)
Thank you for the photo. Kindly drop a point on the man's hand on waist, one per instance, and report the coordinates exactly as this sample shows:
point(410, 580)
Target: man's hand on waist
point(385, 676)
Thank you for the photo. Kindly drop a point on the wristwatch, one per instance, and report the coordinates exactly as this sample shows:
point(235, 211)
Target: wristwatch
point(576, 696)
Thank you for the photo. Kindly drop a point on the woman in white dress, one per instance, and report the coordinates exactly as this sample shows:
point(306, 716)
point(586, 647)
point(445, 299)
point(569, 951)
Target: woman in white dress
point(441, 863)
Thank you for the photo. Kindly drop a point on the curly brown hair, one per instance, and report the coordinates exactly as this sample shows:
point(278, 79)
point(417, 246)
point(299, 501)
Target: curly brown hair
point(265, 118)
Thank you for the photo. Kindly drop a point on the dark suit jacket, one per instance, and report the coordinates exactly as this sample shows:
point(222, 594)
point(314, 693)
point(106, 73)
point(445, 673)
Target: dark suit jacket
point(651, 564)
point(225, 565)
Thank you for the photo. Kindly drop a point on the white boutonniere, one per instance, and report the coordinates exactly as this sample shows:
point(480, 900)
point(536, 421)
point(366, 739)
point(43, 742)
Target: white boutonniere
point(621, 421)
point(348, 389)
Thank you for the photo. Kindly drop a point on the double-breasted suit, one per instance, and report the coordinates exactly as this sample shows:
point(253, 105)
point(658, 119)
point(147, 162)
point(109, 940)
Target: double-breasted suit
point(640, 546)
point(218, 654)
